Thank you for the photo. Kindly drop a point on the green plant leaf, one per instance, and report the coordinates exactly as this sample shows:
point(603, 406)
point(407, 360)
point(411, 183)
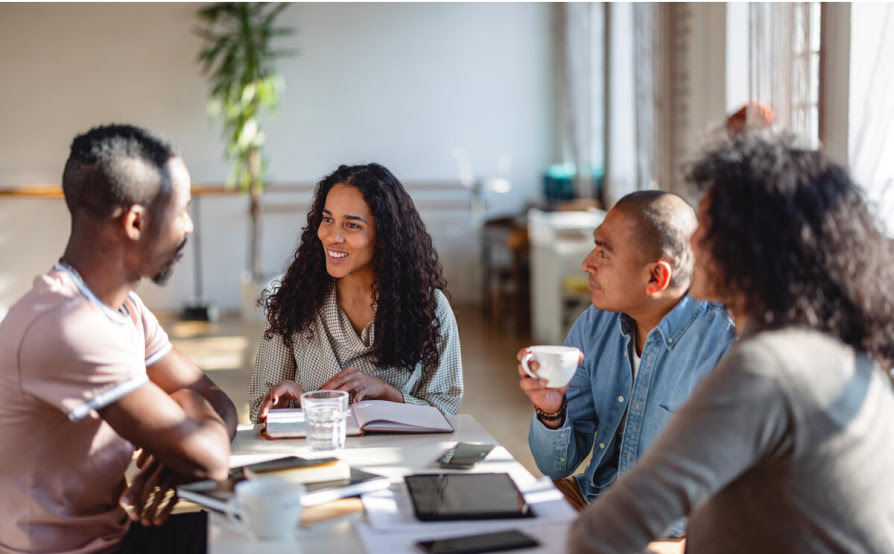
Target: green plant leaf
point(249, 93)
point(247, 134)
point(274, 13)
point(237, 56)
point(281, 32)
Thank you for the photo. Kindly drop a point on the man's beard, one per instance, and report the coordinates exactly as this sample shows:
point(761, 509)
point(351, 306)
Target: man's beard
point(161, 279)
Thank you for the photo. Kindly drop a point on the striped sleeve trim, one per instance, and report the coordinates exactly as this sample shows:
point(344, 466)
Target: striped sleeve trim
point(159, 354)
point(106, 397)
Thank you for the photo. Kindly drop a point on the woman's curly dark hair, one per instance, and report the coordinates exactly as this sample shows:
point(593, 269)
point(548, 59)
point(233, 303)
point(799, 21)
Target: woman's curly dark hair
point(406, 269)
point(790, 230)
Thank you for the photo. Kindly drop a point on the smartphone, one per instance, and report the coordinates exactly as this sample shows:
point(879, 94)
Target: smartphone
point(464, 455)
point(485, 542)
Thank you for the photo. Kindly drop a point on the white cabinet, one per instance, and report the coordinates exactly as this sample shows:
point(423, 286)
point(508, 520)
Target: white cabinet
point(559, 243)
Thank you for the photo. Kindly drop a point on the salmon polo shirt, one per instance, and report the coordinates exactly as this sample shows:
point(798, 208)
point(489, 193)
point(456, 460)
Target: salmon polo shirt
point(64, 354)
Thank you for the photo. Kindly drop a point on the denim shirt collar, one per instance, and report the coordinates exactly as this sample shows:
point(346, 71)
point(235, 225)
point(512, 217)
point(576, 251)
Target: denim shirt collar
point(672, 326)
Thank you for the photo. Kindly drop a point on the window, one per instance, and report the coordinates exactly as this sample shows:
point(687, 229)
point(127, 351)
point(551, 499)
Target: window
point(805, 69)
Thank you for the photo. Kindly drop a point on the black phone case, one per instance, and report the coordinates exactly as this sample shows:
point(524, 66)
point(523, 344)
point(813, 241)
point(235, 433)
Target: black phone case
point(476, 544)
point(447, 458)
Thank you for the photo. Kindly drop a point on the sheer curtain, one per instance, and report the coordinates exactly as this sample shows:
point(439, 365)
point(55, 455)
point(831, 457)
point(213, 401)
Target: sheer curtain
point(624, 111)
point(783, 64)
point(581, 47)
point(783, 72)
point(646, 65)
point(770, 57)
point(871, 105)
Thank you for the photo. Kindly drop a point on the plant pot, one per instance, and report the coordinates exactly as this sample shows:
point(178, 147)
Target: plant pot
point(249, 292)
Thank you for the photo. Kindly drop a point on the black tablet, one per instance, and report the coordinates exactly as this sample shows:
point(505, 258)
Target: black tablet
point(452, 496)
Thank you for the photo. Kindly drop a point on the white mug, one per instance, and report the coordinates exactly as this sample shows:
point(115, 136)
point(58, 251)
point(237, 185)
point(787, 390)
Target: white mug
point(268, 507)
point(557, 364)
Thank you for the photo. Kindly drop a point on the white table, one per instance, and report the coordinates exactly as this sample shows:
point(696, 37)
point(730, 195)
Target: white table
point(392, 455)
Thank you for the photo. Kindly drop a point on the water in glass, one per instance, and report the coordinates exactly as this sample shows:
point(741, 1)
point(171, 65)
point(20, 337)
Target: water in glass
point(326, 428)
point(326, 415)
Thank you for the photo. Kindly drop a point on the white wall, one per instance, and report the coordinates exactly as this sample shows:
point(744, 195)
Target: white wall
point(401, 84)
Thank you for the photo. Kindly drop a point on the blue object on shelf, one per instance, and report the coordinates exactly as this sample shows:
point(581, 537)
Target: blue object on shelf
point(598, 181)
point(558, 182)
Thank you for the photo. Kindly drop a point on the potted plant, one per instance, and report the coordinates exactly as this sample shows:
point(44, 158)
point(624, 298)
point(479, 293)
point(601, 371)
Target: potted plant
point(238, 58)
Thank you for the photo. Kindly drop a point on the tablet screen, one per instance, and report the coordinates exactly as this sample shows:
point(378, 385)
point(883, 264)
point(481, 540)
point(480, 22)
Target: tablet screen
point(446, 496)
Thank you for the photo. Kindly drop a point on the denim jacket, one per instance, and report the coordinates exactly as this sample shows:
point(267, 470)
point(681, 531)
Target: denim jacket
point(684, 347)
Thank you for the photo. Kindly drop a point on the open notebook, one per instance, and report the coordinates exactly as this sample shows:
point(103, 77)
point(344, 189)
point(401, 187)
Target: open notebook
point(364, 416)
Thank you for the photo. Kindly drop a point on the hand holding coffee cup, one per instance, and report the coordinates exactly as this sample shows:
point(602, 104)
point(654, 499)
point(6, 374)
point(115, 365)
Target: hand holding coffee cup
point(556, 364)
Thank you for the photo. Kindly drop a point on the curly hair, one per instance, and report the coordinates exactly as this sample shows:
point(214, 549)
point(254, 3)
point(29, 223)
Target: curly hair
point(406, 273)
point(789, 230)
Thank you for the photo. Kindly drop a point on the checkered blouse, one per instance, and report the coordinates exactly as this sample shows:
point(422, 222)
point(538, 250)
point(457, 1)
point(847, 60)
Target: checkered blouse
point(335, 345)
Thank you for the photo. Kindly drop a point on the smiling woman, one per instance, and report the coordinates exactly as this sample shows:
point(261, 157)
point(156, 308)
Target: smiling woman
point(362, 308)
point(348, 234)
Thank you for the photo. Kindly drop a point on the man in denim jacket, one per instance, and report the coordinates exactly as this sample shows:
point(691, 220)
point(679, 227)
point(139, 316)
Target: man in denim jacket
point(645, 343)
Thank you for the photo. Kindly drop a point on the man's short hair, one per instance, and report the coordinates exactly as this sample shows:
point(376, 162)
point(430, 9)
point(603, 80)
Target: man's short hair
point(664, 223)
point(114, 166)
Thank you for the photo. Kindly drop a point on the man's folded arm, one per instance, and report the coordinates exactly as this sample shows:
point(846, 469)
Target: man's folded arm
point(177, 372)
point(181, 430)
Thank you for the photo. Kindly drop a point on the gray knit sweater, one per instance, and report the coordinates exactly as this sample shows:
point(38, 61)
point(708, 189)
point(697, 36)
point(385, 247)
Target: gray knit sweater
point(787, 447)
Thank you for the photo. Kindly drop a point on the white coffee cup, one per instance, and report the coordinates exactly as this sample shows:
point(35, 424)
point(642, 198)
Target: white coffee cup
point(557, 364)
point(268, 507)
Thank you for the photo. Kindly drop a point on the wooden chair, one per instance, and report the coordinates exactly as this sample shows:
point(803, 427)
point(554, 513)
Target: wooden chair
point(506, 283)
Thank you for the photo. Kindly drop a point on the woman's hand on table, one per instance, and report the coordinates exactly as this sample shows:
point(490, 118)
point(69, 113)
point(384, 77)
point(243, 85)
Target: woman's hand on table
point(279, 396)
point(362, 385)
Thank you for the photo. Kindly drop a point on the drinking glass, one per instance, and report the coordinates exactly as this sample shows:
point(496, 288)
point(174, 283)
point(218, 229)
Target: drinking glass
point(325, 412)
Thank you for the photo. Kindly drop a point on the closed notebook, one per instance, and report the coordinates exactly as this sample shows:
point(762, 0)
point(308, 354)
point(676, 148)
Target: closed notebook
point(365, 416)
point(216, 494)
point(300, 470)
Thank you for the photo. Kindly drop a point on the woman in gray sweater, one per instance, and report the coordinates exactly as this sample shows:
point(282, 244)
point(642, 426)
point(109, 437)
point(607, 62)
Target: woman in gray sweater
point(788, 446)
